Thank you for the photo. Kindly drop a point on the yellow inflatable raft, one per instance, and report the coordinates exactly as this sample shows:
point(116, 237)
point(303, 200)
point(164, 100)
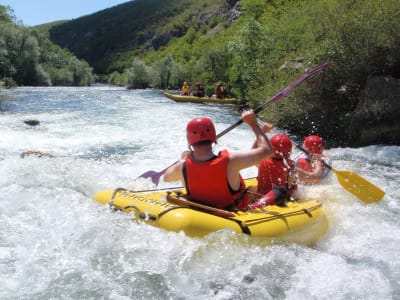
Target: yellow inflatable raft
point(298, 221)
point(180, 98)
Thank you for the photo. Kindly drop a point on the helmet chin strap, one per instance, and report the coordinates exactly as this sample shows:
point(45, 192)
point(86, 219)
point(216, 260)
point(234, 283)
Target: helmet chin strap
point(285, 161)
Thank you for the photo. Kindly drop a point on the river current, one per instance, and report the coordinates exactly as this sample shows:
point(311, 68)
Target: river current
point(58, 243)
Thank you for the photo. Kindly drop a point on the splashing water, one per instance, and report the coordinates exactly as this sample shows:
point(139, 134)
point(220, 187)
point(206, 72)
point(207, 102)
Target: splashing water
point(57, 243)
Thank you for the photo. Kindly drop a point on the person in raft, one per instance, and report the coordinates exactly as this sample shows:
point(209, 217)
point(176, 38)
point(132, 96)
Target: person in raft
point(218, 91)
point(185, 91)
point(214, 179)
point(276, 174)
point(198, 90)
point(311, 169)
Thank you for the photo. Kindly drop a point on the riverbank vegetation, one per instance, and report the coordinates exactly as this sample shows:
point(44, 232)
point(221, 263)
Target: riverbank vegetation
point(253, 47)
point(29, 58)
point(268, 46)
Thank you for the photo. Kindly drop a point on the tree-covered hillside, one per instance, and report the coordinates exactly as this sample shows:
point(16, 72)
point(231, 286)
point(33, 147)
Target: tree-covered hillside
point(111, 38)
point(28, 57)
point(254, 47)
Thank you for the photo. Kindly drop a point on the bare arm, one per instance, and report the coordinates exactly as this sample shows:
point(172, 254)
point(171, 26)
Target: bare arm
point(174, 172)
point(266, 127)
point(247, 158)
point(315, 175)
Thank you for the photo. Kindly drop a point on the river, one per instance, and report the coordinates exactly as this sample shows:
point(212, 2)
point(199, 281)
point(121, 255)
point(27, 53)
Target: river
point(57, 243)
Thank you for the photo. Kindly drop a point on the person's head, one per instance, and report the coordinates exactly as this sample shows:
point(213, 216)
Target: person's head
point(314, 144)
point(200, 130)
point(282, 145)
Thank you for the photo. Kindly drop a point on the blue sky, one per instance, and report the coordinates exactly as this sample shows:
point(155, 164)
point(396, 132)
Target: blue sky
point(35, 12)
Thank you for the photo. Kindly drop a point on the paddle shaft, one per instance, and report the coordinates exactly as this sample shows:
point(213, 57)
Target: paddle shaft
point(184, 202)
point(280, 95)
point(155, 176)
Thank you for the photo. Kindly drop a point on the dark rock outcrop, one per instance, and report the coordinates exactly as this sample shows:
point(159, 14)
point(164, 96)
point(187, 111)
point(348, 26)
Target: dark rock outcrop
point(229, 12)
point(376, 117)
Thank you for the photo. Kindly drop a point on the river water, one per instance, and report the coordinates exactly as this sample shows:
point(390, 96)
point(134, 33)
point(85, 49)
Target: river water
point(57, 243)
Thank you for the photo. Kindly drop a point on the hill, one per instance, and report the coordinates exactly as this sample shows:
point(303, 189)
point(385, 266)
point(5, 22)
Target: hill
point(28, 57)
point(109, 39)
point(255, 47)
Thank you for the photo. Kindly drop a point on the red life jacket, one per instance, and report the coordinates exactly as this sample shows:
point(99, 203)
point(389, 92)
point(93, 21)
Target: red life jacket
point(274, 172)
point(207, 183)
point(305, 164)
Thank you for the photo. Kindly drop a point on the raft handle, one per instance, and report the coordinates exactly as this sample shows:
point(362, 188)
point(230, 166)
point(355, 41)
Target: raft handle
point(307, 212)
point(116, 191)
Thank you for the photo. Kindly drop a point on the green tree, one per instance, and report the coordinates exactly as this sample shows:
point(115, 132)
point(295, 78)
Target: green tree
point(6, 14)
point(138, 75)
point(163, 69)
point(116, 78)
point(20, 54)
point(249, 57)
point(216, 63)
point(82, 72)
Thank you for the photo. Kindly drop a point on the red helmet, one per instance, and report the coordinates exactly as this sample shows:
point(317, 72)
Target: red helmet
point(314, 144)
point(282, 145)
point(200, 129)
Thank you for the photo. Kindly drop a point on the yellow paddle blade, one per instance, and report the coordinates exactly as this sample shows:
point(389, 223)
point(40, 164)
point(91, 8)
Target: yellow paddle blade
point(359, 186)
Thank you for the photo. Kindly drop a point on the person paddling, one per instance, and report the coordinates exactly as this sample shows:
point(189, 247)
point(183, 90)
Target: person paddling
point(310, 169)
point(276, 174)
point(185, 91)
point(214, 179)
point(218, 91)
point(198, 90)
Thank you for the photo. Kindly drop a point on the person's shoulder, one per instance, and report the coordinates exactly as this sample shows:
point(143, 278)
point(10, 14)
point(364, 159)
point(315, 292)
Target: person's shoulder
point(226, 152)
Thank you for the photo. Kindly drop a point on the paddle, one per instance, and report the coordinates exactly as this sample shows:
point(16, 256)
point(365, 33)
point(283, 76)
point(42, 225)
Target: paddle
point(354, 183)
point(178, 200)
point(155, 176)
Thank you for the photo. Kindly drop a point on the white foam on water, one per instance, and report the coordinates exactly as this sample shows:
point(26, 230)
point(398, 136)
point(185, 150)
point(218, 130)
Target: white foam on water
point(57, 243)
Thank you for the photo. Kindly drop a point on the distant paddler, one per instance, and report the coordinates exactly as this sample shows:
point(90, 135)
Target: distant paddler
point(198, 90)
point(185, 91)
point(218, 91)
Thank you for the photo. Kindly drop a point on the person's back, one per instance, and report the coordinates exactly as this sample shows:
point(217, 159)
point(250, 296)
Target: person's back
point(198, 90)
point(219, 91)
point(212, 179)
point(273, 172)
point(185, 91)
point(276, 174)
point(218, 192)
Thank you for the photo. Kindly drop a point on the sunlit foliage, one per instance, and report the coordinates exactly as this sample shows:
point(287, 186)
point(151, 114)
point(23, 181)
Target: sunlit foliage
point(27, 57)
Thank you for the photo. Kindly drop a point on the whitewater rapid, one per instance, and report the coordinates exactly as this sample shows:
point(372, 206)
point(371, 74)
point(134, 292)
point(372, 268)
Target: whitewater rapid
point(57, 243)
